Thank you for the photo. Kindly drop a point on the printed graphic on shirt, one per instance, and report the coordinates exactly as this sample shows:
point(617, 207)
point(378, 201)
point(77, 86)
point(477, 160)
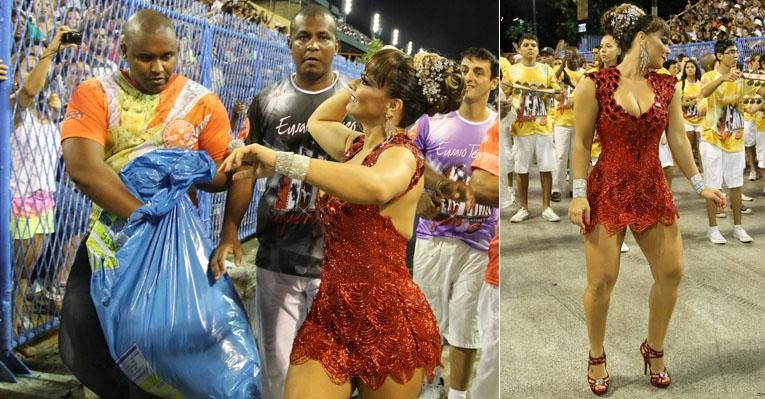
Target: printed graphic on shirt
point(456, 212)
point(533, 96)
point(288, 227)
point(296, 195)
point(691, 111)
point(450, 145)
point(534, 100)
point(731, 121)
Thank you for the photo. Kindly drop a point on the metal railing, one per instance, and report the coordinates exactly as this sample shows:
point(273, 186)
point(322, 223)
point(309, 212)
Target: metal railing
point(746, 47)
point(46, 213)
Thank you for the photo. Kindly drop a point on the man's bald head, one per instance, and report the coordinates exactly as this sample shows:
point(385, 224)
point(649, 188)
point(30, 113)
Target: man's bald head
point(312, 11)
point(708, 62)
point(147, 22)
point(150, 47)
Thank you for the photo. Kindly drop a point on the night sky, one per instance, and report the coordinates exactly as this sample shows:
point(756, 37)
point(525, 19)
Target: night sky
point(444, 26)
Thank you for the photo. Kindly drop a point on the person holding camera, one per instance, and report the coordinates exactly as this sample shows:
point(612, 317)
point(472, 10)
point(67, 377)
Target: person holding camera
point(34, 155)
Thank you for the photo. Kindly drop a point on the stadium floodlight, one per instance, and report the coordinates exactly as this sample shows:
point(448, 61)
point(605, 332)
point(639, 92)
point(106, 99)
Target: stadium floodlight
point(395, 37)
point(409, 48)
point(348, 6)
point(375, 23)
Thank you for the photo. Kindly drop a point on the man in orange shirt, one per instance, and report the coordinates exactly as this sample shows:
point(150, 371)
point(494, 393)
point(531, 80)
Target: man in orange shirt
point(111, 120)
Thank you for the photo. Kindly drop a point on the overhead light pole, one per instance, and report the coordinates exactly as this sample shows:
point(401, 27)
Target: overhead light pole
point(375, 24)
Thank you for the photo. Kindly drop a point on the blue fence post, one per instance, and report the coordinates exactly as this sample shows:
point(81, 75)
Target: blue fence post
point(9, 364)
point(206, 60)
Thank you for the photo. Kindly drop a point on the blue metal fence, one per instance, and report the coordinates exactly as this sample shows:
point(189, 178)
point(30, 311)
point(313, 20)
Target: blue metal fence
point(47, 215)
point(746, 47)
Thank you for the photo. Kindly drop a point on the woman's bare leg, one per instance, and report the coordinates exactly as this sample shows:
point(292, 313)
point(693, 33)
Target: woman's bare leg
point(310, 380)
point(602, 251)
point(663, 248)
point(392, 389)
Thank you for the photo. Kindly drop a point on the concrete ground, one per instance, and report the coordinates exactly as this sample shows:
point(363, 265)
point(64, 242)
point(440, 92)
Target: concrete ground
point(51, 379)
point(715, 346)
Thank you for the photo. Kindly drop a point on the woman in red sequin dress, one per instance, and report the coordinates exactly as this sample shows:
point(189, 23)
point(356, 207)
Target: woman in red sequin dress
point(369, 326)
point(630, 107)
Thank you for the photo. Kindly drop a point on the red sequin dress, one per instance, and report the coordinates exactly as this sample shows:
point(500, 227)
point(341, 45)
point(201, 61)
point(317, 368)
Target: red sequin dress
point(627, 186)
point(369, 320)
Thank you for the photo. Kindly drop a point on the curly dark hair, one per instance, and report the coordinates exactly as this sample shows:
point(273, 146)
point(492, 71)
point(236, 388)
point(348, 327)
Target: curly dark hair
point(624, 30)
point(397, 74)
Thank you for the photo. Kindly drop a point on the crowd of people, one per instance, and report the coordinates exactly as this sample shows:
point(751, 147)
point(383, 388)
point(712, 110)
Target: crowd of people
point(609, 133)
point(85, 107)
point(566, 67)
point(711, 20)
point(353, 32)
point(57, 46)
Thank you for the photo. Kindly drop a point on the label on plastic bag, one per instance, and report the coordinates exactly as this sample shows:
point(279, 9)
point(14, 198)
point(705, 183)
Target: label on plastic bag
point(137, 369)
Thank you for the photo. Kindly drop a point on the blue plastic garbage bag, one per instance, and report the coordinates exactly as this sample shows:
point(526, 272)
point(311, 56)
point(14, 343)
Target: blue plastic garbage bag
point(170, 327)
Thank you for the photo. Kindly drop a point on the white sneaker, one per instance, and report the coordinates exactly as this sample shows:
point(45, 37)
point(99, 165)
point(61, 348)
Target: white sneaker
point(550, 215)
point(745, 197)
point(752, 175)
point(506, 203)
point(740, 234)
point(625, 248)
point(509, 199)
point(715, 236)
point(520, 216)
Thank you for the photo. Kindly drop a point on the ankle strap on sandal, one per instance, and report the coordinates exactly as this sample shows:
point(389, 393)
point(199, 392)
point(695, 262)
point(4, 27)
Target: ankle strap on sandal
point(650, 353)
point(594, 361)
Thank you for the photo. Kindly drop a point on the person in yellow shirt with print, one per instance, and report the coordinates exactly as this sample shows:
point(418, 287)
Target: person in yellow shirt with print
point(568, 75)
point(750, 131)
point(534, 86)
point(722, 139)
point(759, 123)
point(690, 87)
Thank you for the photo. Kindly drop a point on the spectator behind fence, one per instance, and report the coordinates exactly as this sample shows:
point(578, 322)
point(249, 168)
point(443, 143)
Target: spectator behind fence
point(146, 107)
point(708, 20)
point(34, 153)
point(98, 53)
point(291, 244)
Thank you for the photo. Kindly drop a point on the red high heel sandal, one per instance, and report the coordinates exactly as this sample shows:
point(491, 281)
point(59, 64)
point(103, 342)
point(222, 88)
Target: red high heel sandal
point(598, 386)
point(661, 379)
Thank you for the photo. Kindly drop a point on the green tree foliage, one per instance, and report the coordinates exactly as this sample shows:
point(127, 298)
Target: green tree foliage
point(374, 46)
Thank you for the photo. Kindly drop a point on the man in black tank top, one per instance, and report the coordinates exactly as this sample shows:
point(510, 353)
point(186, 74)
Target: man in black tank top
point(291, 245)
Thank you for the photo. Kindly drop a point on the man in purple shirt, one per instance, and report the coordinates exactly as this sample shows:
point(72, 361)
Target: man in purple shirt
point(451, 253)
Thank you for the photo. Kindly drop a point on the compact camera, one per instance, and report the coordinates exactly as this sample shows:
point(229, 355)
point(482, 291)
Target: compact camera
point(71, 37)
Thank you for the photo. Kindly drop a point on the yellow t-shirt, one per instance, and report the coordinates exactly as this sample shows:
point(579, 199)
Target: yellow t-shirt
point(565, 117)
point(691, 113)
point(532, 95)
point(759, 117)
point(595, 148)
point(723, 125)
point(747, 116)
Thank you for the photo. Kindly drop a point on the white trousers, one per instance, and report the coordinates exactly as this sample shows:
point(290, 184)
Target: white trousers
point(282, 302)
point(486, 382)
point(564, 142)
